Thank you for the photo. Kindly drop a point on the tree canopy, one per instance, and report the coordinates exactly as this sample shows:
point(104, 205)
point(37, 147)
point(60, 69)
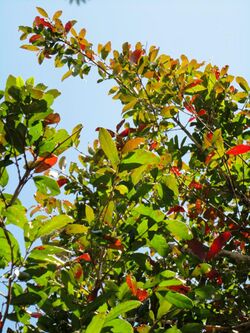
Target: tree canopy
point(149, 230)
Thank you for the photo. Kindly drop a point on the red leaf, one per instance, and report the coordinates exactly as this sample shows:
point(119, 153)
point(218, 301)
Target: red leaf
point(180, 289)
point(36, 315)
point(125, 132)
point(85, 257)
point(141, 294)
point(68, 26)
point(119, 125)
point(216, 73)
point(34, 38)
point(195, 185)
point(117, 245)
point(197, 248)
point(136, 55)
point(191, 119)
point(131, 282)
point(175, 170)
point(176, 209)
point(189, 107)
point(78, 273)
point(39, 21)
point(240, 149)
point(218, 244)
point(39, 248)
point(52, 118)
point(82, 47)
point(45, 163)
point(194, 83)
point(153, 145)
point(209, 156)
point(62, 181)
point(232, 89)
point(209, 136)
point(202, 112)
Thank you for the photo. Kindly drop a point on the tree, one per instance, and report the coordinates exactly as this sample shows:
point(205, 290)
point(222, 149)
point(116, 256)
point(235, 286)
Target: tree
point(156, 239)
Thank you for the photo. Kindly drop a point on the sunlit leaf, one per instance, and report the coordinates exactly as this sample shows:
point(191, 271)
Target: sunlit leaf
point(54, 224)
point(179, 229)
point(242, 83)
point(122, 308)
point(42, 12)
point(108, 146)
point(132, 144)
point(76, 229)
point(239, 149)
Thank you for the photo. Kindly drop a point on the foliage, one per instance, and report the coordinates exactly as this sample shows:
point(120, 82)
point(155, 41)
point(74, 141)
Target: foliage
point(156, 239)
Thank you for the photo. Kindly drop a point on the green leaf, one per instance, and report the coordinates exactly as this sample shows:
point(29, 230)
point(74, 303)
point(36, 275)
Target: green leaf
point(137, 173)
point(201, 269)
point(47, 253)
point(174, 329)
point(218, 142)
point(96, 323)
point(179, 300)
point(55, 223)
point(156, 215)
point(66, 75)
point(242, 83)
point(122, 189)
point(164, 308)
point(46, 185)
point(6, 244)
point(158, 242)
point(122, 308)
point(26, 299)
point(109, 147)
point(141, 156)
point(171, 182)
point(195, 89)
point(118, 326)
point(191, 328)
point(16, 215)
point(170, 282)
point(4, 177)
point(76, 132)
point(73, 229)
point(179, 230)
point(90, 215)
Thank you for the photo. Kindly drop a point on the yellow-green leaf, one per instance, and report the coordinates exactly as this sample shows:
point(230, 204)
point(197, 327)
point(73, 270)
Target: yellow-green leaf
point(90, 216)
point(42, 12)
point(242, 83)
point(30, 47)
point(76, 229)
point(122, 189)
point(57, 15)
point(130, 105)
point(67, 74)
point(109, 147)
